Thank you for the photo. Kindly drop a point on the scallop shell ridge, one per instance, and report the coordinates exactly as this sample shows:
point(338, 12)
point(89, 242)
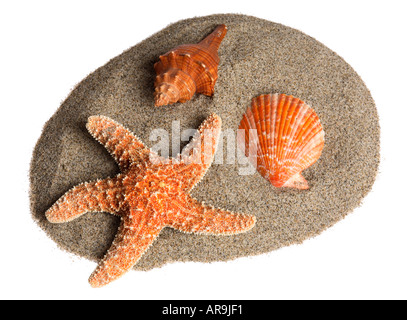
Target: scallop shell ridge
point(282, 137)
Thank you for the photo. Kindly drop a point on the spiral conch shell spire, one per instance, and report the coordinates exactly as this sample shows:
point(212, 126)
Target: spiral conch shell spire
point(289, 138)
point(187, 69)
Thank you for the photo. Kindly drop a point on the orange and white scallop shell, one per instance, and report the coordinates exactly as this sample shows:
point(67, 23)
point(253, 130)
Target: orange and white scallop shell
point(289, 138)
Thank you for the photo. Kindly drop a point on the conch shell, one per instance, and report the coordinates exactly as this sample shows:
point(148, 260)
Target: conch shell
point(187, 69)
point(289, 138)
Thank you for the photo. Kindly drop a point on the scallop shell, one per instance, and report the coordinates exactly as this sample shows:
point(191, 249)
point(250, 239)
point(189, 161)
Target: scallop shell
point(187, 69)
point(287, 138)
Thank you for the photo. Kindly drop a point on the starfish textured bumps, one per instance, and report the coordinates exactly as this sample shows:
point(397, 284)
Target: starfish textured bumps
point(149, 194)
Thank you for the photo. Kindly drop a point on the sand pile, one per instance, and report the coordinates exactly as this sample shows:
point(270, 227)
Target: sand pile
point(256, 57)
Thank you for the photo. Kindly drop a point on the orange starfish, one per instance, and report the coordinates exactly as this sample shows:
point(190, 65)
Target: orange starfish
point(149, 194)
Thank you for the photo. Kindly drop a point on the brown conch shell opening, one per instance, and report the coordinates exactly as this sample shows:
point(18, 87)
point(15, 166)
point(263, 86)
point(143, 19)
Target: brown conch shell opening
point(187, 69)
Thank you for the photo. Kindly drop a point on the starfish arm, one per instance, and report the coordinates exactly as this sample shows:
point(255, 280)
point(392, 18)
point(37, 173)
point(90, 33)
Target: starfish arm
point(198, 155)
point(189, 215)
point(134, 237)
point(102, 195)
point(121, 143)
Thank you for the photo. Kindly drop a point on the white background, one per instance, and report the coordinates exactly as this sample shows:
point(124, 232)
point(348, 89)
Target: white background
point(46, 47)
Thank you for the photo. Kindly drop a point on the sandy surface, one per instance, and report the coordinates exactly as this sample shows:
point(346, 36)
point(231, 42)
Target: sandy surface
point(256, 57)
